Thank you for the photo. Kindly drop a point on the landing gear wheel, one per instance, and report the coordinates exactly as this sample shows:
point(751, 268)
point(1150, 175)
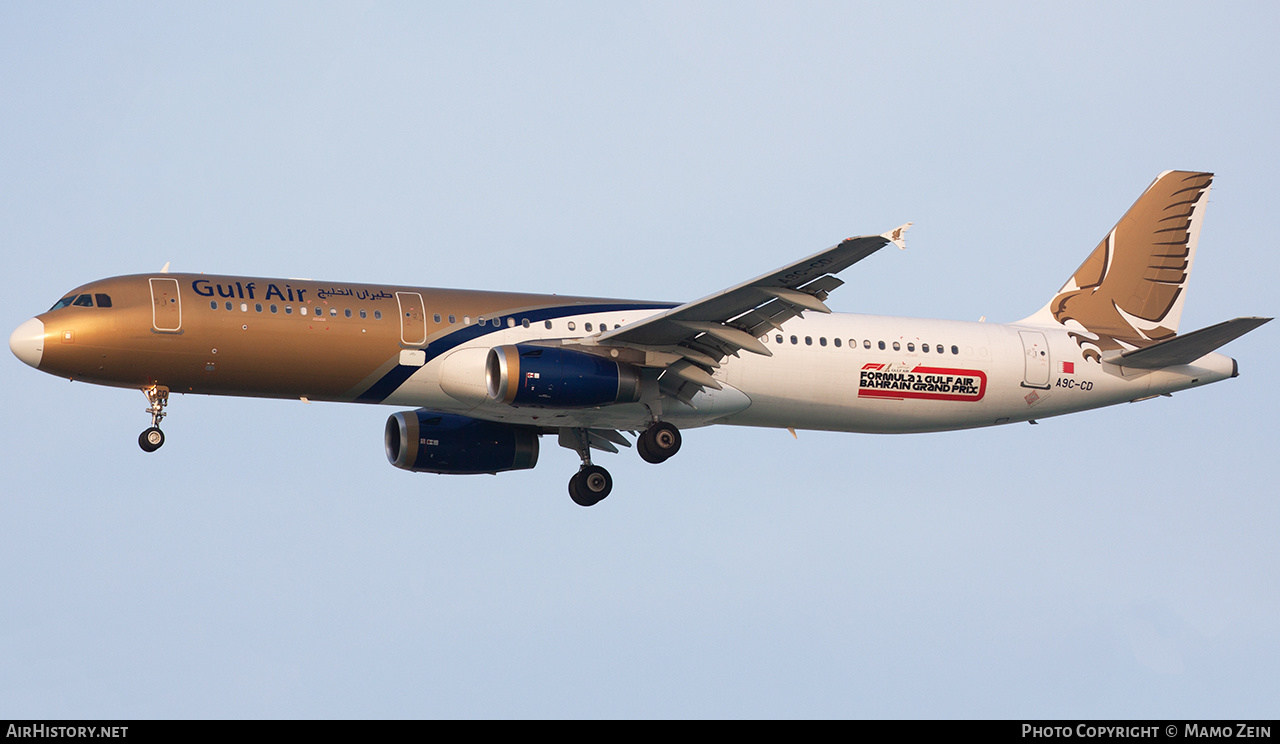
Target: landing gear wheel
point(659, 442)
point(158, 396)
point(151, 439)
point(646, 454)
point(590, 485)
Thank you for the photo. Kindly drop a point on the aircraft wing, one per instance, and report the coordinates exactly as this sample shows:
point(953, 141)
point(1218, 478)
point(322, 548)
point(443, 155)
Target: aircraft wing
point(690, 340)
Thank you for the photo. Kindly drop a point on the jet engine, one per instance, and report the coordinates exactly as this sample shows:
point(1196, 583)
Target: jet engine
point(551, 377)
point(429, 442)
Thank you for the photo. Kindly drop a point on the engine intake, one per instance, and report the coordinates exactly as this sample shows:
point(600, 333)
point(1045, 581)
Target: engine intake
point(551, 377)
point(428, 442)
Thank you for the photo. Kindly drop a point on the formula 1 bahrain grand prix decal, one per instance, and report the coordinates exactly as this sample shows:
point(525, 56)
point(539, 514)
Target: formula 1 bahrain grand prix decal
point(898, 381)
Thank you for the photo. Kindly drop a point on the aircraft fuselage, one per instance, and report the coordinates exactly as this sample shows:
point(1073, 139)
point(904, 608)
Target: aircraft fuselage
point(331, 341)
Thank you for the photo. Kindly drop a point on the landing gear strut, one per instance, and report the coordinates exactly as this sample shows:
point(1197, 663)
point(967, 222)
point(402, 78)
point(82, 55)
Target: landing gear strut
point(659, 442)
point(592, 483)
point(152, 439)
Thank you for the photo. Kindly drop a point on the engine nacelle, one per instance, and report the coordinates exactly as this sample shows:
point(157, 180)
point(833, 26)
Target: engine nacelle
point(429, 442)
point(551, 377)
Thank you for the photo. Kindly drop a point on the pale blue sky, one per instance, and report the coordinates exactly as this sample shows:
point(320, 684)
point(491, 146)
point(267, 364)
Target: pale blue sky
point(269, 562)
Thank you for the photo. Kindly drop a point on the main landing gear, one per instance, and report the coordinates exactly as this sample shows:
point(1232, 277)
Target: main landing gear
point(659, 442)
point(152, 438)
point(592, 483)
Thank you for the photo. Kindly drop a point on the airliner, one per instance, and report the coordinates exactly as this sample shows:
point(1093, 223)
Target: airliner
point(485, 375)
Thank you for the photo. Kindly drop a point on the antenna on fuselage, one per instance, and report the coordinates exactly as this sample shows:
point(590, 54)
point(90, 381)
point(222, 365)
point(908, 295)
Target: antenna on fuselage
point(165, 270)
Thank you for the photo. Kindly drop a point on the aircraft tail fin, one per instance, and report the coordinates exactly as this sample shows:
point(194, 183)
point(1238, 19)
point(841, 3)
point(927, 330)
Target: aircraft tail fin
point(1186, 348)
point(1129, 292)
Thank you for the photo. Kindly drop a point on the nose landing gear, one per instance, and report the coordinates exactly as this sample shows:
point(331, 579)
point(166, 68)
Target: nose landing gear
point(152, 438)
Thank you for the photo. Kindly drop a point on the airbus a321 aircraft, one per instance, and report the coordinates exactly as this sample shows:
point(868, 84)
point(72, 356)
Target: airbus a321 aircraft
point(487, 374)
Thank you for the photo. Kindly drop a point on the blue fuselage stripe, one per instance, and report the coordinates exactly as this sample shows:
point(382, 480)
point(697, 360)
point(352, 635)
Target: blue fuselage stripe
point(391, 381)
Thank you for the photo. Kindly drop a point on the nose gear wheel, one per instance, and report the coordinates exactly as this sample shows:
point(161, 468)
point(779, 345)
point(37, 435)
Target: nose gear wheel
point(152, 438)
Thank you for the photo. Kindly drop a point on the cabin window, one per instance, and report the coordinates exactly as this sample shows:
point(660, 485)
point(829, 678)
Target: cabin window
point(794, 340)
point(436, 317)
point(303, 310)
point(778, 338)
point(466, 320)
point(924, 348)
point(377, 315)
point(524, 322)
point(547, 324)
point(102, 300)
point(897, 346)
point(347, 312)
point(836, 341)
point(587, 327)
point(822, 341)
point(288, 309)
point(213, 304)
point(881, 346)
point(911, 347)
point(364, 314)
point(955, 349)
point(333, 312)
point(275, 309)
point(257, 307)
point(453, 319)
point(866, 344)
point(228, 305)
point(511, 323)
point(571, 325)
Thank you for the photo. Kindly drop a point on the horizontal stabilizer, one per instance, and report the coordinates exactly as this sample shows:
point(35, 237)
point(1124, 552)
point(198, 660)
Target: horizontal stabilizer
point(1186, 348)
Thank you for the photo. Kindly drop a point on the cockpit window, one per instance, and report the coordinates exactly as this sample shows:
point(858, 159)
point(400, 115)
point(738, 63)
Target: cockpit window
point(82, 300)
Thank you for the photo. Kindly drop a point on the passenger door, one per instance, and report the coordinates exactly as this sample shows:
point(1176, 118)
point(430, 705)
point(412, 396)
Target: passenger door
point(166, 305)
point(413, 319)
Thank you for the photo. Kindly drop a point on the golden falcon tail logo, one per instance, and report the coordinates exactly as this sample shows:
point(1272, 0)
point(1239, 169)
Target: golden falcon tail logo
point(1126, 294)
